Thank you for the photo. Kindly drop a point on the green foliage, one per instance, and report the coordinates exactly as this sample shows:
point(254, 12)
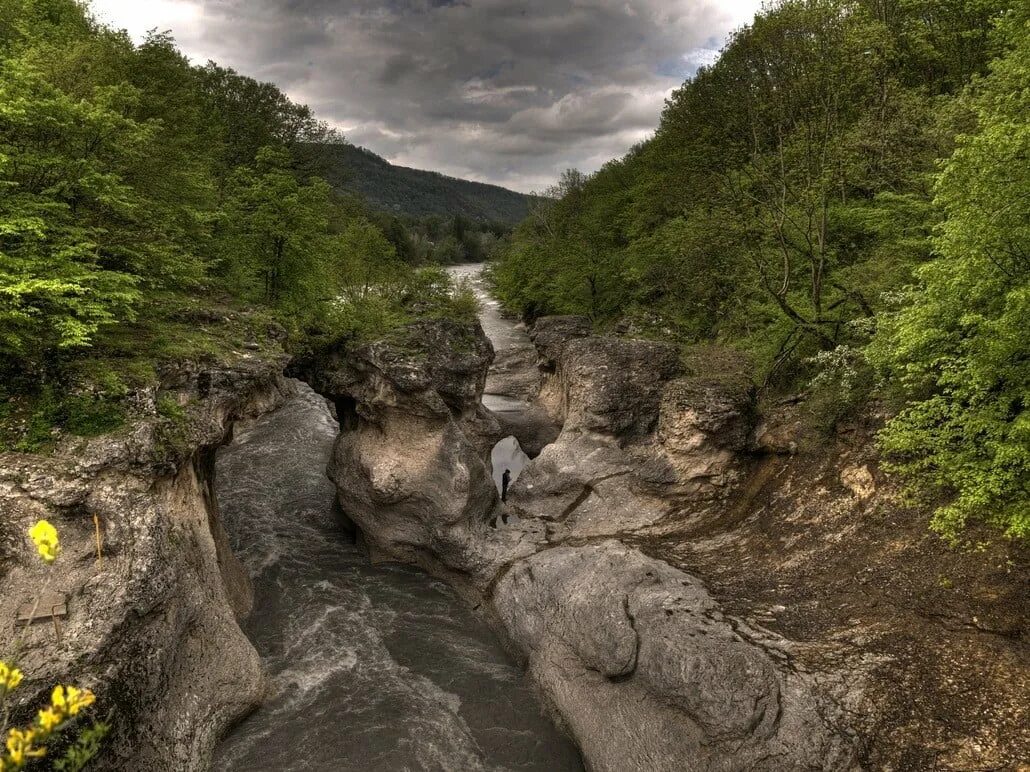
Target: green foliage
point(274, 233)
point(63, 259)
point(367, 313)
point(365, 259)
point(147, 207)
point(957, 344)
point(787, 187)
point(86, 747)
point(169, 407)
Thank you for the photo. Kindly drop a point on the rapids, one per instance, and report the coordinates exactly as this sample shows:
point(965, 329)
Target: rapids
point(370, 667)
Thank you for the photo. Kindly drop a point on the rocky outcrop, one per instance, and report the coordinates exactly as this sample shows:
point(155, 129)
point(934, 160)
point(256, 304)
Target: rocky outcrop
point(586, 481)
point(649, 674)
point(634, 656)
point(152, 627)
point(412, 464)
point(550, 334)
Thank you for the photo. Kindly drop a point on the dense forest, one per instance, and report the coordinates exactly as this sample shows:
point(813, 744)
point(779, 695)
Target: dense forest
point(416, 193)
point(154, 211)
point(843, 198)
point(443, 240)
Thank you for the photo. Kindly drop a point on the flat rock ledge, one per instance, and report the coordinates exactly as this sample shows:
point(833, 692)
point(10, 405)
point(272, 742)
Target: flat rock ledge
point(152, 628)
point(633, 656)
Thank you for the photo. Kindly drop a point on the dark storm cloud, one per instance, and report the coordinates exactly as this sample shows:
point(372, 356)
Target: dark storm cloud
point(503, 91)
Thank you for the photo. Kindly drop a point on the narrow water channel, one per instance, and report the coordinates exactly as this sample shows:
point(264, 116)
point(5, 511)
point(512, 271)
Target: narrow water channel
point(370, 667)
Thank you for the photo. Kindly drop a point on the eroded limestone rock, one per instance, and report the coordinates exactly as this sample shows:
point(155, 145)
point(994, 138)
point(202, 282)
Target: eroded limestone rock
point(649, 674)
point(153, 628)
point(635, 657)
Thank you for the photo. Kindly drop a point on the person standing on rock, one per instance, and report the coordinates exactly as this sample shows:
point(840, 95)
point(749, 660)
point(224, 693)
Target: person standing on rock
point(505, 482)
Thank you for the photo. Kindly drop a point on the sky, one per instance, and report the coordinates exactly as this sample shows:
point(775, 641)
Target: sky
point(510, 92)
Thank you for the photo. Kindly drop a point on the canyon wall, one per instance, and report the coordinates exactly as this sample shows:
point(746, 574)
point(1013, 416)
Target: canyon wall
point(151, 627)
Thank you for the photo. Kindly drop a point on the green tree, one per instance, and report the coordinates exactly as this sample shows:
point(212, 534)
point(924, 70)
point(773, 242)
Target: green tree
point(70, 259)
point(365, 259)
point(274, 235)
point(957, 347)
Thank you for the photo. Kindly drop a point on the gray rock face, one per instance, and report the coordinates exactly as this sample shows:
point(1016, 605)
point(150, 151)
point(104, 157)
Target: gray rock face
point(440, 368)
point(614, 386)
point(703, 431)
point(152, 629)
point(550, 334)
point(606, 473)
point(633, 655)
point(412, 466)
point(649, 674)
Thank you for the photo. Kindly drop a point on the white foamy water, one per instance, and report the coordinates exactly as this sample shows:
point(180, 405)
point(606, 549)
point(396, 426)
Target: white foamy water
point(370, 668)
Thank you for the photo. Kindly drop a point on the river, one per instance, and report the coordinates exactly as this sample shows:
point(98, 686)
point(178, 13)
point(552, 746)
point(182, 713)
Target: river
point(370, 667)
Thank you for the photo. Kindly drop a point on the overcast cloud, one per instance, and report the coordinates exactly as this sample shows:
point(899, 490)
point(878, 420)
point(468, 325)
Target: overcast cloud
point(492, 90)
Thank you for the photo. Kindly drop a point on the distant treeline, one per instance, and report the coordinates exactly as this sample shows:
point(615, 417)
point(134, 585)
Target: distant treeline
point(145, 203)
point(443, 240)
point(416, 193)
point(844, 198)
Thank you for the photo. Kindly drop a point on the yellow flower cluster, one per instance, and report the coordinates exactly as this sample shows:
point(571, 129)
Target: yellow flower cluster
point(44, 536)
point(21, 746)
point(10, 677)
point(66, 702)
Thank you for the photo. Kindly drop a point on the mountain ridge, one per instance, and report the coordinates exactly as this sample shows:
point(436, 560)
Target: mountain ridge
point(418, 192)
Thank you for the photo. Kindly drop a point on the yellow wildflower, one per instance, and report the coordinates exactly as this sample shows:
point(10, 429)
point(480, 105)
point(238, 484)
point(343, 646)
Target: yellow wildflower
point(44, 536)
point(20, 746)
point(49, 720)
point(10, 677)
point(68, 701)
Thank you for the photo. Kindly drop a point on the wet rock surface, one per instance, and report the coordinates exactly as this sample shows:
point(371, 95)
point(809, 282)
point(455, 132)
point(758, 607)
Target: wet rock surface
point(674, 683)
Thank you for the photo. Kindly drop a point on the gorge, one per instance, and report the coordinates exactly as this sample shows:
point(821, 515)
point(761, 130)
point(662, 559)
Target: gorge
point(666, 570)
point(708, 453)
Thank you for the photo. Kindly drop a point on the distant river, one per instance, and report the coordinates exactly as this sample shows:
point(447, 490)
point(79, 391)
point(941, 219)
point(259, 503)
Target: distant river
point(371, 667)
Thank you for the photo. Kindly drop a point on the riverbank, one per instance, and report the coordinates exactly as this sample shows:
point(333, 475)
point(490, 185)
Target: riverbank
point(647, 666)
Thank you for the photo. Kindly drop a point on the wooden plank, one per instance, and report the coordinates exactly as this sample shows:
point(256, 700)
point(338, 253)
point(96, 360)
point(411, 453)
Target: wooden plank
point(50, 606)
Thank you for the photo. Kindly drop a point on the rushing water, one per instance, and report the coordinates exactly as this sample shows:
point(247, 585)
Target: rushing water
point(370, 667)
point(503, 395)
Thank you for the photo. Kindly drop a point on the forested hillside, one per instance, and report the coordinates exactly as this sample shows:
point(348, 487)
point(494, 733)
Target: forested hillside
point(417, 193)
point(153, 212)
point(843, 198)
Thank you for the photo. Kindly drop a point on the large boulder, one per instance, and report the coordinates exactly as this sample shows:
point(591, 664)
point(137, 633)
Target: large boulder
point(649, 674)
point(703, 433)
point(613, 386)
point(550, 334)
point(431, 368)
point(412, 462)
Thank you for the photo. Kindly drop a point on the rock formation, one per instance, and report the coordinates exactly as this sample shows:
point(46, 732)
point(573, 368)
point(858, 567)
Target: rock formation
point(634, 656)
point(152, 627)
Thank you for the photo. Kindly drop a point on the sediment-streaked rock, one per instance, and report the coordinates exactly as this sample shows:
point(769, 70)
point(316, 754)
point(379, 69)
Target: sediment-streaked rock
point(648, 673)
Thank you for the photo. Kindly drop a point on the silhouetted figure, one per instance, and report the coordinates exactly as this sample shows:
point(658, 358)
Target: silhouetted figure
point(505, 482)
